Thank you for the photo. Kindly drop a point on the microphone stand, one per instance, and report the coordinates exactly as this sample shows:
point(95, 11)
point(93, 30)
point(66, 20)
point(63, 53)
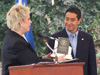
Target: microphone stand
point(54, 54)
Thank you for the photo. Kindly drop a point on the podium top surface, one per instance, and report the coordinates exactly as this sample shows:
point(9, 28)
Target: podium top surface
point(46, 65)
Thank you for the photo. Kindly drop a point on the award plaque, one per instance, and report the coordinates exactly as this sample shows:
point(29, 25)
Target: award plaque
point(63, 45)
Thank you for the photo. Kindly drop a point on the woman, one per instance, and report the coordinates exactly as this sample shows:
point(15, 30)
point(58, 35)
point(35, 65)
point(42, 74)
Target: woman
point(15, 49)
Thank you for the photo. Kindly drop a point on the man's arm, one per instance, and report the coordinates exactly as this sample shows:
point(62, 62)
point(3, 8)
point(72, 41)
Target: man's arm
point(92, 59)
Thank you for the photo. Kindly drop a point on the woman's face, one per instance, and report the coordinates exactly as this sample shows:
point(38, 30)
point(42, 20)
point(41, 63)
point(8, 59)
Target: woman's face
point(25, 24)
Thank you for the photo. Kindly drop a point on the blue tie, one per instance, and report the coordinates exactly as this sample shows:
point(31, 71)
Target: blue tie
point(72, 36)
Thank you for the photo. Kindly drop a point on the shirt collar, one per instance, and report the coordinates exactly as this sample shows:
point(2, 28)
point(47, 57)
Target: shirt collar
point(69, 33)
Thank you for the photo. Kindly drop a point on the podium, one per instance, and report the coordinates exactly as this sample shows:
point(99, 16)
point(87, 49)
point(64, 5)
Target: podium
point(48, 69)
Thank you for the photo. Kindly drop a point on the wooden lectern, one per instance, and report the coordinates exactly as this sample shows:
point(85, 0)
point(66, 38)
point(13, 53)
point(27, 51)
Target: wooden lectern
point(48, 69)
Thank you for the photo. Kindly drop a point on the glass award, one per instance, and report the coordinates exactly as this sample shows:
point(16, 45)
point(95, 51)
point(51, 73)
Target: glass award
point(63, 45)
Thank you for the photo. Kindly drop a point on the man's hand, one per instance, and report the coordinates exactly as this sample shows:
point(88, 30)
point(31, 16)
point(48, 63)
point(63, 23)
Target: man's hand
point(61, 58)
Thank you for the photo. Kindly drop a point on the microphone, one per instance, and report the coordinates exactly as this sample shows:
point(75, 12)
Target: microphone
point(45, 36)
point(54, 52)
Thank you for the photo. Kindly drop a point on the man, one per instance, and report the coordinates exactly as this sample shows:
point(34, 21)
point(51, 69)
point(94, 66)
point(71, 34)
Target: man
point(81, 42)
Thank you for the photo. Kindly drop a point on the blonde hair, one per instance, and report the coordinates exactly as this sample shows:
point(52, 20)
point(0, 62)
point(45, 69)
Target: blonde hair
point(16, 14)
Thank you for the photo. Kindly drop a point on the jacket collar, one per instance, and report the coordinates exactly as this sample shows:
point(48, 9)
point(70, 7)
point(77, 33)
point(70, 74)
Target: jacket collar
point(10, 32)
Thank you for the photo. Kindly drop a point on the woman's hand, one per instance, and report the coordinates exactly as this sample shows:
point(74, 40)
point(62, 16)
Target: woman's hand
point(48, 56)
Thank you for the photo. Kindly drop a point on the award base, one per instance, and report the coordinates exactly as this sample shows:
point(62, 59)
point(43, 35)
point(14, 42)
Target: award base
point(58, 54)
point(68, 57)
point(53, 55)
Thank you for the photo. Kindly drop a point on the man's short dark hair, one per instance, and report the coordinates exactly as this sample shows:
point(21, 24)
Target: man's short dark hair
point(75, 10)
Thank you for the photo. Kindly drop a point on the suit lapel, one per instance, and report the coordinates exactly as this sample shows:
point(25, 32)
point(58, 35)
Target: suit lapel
point(29, 46)
point(80, 40)
point(64, 33)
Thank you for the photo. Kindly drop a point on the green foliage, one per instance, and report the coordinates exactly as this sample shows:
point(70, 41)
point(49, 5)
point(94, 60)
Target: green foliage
point(98, 71)
point(98, 61)
point(4, 7)
point(98, 55)
point(49, 19)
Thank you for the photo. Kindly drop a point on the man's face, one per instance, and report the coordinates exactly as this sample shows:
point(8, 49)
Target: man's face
point(71, 22)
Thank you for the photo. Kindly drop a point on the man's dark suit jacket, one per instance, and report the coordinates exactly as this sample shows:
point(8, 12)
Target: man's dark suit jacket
point(85, 50)
point(16, 51)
